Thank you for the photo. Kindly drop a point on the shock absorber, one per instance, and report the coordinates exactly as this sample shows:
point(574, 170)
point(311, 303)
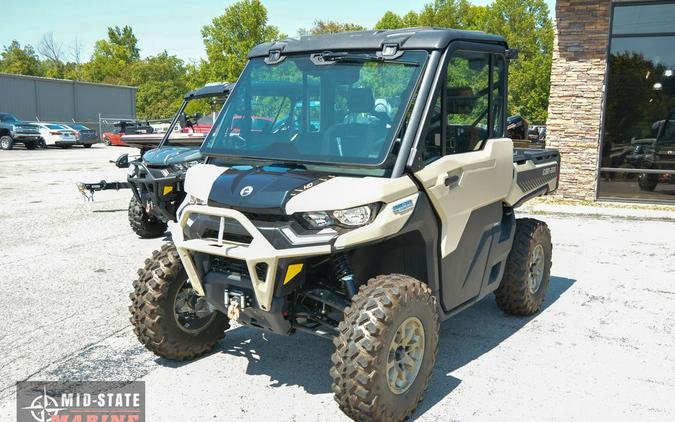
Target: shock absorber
point(343, 272)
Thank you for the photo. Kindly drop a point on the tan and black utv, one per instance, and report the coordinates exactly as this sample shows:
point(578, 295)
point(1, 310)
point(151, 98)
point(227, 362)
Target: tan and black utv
point(359, 187)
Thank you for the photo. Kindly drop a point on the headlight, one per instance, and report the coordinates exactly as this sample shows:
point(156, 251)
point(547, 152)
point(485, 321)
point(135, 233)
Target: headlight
point(351, 218)
point(354, 217)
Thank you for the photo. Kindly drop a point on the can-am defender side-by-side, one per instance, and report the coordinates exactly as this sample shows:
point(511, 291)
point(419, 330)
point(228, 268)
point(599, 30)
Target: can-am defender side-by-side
point(375, 201)
point(156, 177)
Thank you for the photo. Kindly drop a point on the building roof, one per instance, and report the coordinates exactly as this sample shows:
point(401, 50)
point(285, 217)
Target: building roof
point(72, 81)
point(423, 38)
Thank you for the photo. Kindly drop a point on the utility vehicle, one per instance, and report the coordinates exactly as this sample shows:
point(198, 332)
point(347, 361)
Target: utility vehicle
point(156, 177)
point(362, 224)
point(656, 157)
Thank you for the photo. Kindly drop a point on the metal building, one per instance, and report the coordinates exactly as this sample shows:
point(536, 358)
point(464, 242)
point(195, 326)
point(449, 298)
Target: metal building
point(35, 98)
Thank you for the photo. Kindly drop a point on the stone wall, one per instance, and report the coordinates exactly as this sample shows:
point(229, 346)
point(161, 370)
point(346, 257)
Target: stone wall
point(577, 92)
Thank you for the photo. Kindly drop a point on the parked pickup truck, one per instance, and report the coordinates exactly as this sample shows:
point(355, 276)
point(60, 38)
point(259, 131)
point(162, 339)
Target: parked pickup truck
point(13, 131)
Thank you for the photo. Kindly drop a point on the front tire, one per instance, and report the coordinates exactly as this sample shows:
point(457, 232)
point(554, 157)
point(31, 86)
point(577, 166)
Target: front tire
point(86, 145)
point(385, 349)
point(523, 288)
point(648, 182)
point(6, 142)
point(161, 305)
point(143, 224)
point(106, 141)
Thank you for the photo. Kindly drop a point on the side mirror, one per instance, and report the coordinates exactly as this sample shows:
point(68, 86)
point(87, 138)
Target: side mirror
point(512, 54)
point(122, 161)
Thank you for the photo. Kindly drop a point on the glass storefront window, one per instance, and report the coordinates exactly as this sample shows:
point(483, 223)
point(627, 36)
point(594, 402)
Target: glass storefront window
point(638, 149)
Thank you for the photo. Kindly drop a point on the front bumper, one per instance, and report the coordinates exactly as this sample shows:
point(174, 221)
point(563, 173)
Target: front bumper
point(162, 192)
point(258, 251)
point(25, 137)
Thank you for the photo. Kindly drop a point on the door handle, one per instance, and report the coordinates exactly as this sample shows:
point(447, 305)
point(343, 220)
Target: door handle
point(452, 181)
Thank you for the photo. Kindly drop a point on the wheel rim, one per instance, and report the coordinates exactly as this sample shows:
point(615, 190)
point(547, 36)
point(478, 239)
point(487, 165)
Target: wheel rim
point(191, 312)
point(406, 353)
point(5, 144)
point(536, 271)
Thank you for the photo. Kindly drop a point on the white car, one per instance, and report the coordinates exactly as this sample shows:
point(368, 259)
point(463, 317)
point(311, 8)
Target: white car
point(57, 135)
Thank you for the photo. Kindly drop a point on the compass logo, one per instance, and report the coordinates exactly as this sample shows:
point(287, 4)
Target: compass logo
point(43, 407)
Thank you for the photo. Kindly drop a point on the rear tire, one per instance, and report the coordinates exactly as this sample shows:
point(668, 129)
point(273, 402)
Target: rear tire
point(87, 145)
point(153, 310)
point(144, 225)
point(523, 288)
point(65, 146)
point(106, 141)
point(6, 142)
point(373, 377)
point(41, 144)
point(30, 145)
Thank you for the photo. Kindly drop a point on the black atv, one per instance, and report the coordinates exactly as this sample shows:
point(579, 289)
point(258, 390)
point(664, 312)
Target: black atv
point(156, 176)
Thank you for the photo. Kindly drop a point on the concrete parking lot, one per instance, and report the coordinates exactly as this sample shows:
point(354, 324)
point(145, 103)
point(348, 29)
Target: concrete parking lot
point(603, 347)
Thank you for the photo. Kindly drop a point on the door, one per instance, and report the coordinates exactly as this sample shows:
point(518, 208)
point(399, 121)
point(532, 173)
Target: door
point(467, 169)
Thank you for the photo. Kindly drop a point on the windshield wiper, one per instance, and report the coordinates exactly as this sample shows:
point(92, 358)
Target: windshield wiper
point(287, 164)
point(329, 56)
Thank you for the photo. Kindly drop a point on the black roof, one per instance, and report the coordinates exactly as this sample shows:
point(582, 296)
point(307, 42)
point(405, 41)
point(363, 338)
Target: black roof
point(424, 38)
point(214, 89)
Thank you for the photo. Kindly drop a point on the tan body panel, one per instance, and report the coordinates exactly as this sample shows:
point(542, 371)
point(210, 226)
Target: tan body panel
point(339, 193)
point(483, 177)
point(199, 179)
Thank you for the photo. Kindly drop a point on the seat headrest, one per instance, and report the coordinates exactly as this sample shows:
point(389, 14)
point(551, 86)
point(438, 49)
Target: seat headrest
point(361, 100)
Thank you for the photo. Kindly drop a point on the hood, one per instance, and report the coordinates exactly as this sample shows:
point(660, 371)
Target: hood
point(262, 190)
point(171, 155)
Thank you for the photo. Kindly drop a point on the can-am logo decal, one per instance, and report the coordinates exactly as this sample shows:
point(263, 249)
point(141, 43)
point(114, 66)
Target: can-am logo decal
point(246, 191)
point(402, 207)
point(549, 170)
point(88, 401)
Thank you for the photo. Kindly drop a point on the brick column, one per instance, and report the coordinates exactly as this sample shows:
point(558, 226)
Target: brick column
point(577, 91)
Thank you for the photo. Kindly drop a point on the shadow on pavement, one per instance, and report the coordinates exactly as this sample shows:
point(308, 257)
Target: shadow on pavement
point(304, 360)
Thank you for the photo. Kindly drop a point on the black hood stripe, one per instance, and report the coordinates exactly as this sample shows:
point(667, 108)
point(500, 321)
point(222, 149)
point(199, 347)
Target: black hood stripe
point(260, 189)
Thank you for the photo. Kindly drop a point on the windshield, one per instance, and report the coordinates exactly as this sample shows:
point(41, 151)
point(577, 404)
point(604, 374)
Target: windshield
point(345, 112)
point(6, 117)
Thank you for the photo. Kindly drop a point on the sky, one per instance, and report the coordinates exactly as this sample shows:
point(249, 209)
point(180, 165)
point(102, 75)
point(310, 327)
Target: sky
point(174, 26)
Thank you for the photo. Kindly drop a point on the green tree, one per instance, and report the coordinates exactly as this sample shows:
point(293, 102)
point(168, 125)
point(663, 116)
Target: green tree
point(19, 60)
point(231, 36)
point(390, 20)
point(331, 27)
point(110, 58)
point(161, 83)
point(526, 25)
point(411, 19)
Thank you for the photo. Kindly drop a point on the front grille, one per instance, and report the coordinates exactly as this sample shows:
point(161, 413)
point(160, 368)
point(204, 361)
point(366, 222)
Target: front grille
point(229, 266)
point(207, 227)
